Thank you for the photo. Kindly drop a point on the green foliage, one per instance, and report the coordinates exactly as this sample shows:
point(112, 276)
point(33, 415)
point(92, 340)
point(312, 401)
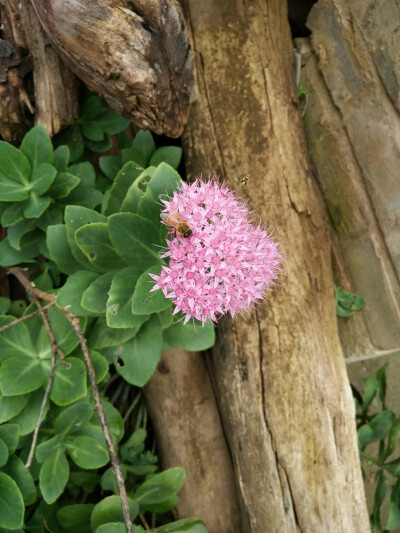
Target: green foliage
point(379, 425)
point(91, 236)
point(347, 303)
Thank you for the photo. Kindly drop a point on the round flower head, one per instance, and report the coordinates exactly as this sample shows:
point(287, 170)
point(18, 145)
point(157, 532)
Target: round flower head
point(225, 265)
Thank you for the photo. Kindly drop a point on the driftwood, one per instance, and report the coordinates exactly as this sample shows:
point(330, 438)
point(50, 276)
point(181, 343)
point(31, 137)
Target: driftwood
point(351, 74)
point(189, 434)
point(281, 379)
point(25, 49)
point(135, 54)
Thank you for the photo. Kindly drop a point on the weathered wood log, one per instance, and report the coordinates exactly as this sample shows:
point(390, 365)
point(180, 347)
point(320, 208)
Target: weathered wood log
point(26, 49)
point(352, 124)
point(281, 378)
point(189, 431)
point(133, 53)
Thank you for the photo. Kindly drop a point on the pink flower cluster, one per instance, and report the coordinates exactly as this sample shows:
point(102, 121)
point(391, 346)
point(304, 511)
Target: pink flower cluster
point(226, 265)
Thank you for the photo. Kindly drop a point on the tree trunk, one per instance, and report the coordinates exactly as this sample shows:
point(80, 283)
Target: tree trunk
point(352, 123)
point(280, 377)
point(189, 432)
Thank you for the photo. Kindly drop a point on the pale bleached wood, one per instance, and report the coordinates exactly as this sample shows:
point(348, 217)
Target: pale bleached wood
point(281, 378)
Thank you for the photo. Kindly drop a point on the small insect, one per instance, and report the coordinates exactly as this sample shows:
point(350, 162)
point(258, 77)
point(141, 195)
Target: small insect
point(245, 179)
point(177, 223)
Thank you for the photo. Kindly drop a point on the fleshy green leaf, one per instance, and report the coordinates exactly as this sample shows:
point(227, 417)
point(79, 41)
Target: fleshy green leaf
point(92, 131)
point(60, 251)
point(95, 297)
point(119, 312)
point(69, 382)
point(37, 146)
point(12, 191)
point(187, 525)
point(12, 507)
point(137, 190)
point(141, 355)
point(99, 146)
point(101, 336)
point(94, 241)
point(13, 164)
point(16, 469)
point(42, 178)
point(84, 194)
point(12, 214)
point(61, 158)
point(89, 481)
point(110, 510)
point(72, 137)
point(63, 184)
point(160, 487)
point(112, 527)
point(167, 154)
point(3, 453)
point(19, 375)
point(10, 406)
point(54, 476)
point(110, 165)
point(9, 434)
point(70, 295)
point(63, 331)
point(36, 205)
point(110, 122)
point(48, 447)
point(28, 417)
point(16, 232)
point(146, 302)
point(71, 419)
point(76, 517)
point(91, 107)
point(190, 337)
point(134, 239)
point(381, 424)
point(123, 180)
point(9, 256)
point(87, 453)
point(144, 143)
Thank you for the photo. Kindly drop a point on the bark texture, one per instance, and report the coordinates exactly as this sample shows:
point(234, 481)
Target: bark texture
point(280, 377)
point(351, 74)
point(25, 49)
point(185, 416)
point(133, 53)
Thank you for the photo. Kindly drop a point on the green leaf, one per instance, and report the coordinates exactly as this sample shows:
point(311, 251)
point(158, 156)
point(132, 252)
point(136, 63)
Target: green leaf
point(52, 216)
point(14, 165)
point(141, 355)
point(63, 185)
point(76, 517)
point(13, 213)
point(166, 317)
point(12, 507)
point(12, 191)
point(9, 434)
point(89, 481)
point(17, 308)
point(101, 336)
point(393, 437)
point(381, 377)
point(365, 436)
point(9, 256)
point(163, 183)
point(394, 513)
point(100, 365)
point(145, 144)
point(145, 302)
point(91, 107)
point(15, 341)
point(160, 487)
point(134, 239)
point(133, 155)
point(94, 241)
point(112, 527)
point(187, 525)
point(119, 313)
point(70, 295)
point(60, 251)
point(95, 297)
point(87, 453)
point(36, 205)
point(10, 406)
point(137, 190)
point(72, 137)
point(381, 424)
point(92, 131)
point(85, 193)
point(3, 453)
point(123, 140)
point(19, 375)
point(167, 154)
point(54, 476)
point(61, 158)
point(48, 447)
point(16, 232)
point(110, 122)
point(71, 419)
point(110, 510)
point(28, 417)
point(99, 146)
point(37, 146)
point(123, 180)
point(16, 469)
point(5, 304)
point(69, 382)
point(380, 493)
point(64, 333)
point(76, 217)
point(42, 178)
point(110, 165)
point(190, 337)
point(114, 419)
point(371, 387)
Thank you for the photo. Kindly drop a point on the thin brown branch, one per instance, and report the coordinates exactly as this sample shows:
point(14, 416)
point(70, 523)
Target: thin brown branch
point(23, 318)
point(75, 323)
point(144, 522)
